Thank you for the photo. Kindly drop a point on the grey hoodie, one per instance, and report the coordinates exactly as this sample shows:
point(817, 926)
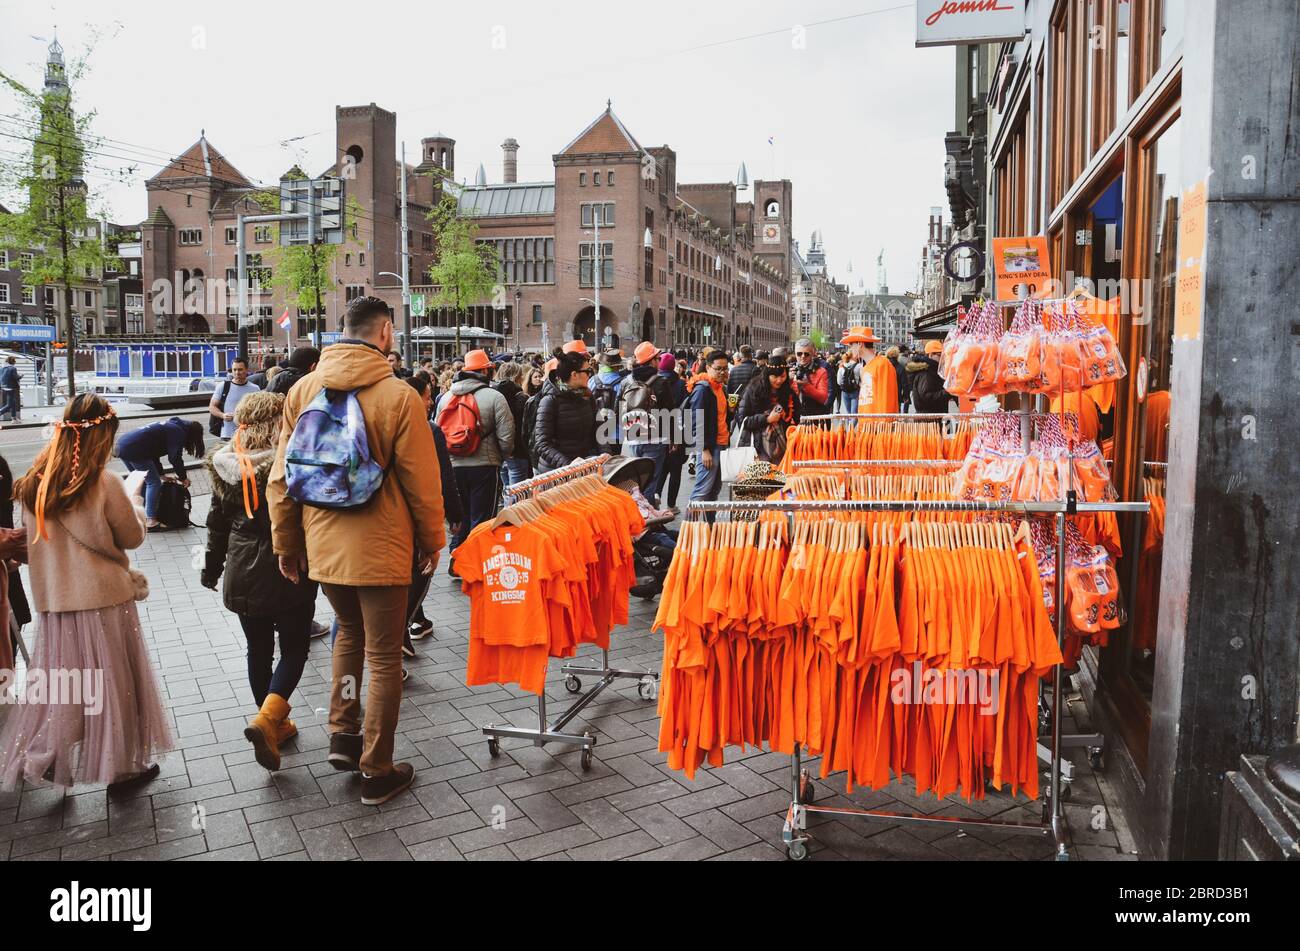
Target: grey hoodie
point(497, 441)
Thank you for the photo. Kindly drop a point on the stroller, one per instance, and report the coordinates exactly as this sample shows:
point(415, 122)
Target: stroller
point(652, 551)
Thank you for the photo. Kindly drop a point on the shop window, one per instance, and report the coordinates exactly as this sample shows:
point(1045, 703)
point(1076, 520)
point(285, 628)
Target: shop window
point(1170, 31)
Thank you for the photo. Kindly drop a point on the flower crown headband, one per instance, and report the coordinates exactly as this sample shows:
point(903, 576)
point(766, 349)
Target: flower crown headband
point(59, 426)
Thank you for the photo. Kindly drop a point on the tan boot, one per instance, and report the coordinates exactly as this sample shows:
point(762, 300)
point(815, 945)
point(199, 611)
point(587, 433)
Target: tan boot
point(263, 731)
point(286, 732)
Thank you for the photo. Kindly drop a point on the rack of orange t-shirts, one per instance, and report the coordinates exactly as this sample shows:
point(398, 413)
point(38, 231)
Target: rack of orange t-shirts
point(842, 630)
point(880, 436)
point(550, 572)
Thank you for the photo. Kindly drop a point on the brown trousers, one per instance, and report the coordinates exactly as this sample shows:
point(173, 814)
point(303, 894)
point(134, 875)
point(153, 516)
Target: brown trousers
point(372, 622)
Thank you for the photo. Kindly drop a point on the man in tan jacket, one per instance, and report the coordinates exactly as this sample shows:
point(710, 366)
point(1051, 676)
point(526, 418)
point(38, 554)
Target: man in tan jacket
point(362, 557)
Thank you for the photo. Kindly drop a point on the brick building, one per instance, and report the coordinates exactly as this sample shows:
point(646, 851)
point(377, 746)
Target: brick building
point(679, 264)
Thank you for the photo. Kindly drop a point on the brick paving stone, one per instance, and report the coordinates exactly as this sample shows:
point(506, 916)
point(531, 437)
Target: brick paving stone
point(238, 853)
point(381, 821)
point(546, 811)
point(721, 830)
point(557, 841)
point(227, 829)
point(439, 828)
point(381, 847)
point(603, 818)
point(498, 834)
point(619, 847)
point(692, 850)
point(592, 789)
point(89, 807)
point(276, 837)
point(124, 842)
point(435, 850)
point(164, 851)
point(59, 838)
point(662, 824)
point(758, 852)
point(719, 795)
point(328, 843)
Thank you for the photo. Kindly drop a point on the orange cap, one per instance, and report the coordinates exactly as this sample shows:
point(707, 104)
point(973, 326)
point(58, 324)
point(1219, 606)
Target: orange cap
point(575, 346)
point(932, 347)
point(477, 360)
point(645, 352)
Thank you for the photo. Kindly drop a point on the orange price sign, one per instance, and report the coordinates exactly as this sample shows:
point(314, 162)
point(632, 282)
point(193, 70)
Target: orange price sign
point(1021, 267)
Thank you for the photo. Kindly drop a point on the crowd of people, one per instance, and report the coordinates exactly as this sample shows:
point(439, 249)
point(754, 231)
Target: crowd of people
point(344, 471)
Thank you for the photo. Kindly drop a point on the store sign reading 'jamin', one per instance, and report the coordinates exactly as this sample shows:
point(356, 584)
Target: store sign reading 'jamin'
point(951, 22)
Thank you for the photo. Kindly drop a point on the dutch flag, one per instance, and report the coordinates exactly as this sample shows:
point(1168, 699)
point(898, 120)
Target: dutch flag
point(285, 322)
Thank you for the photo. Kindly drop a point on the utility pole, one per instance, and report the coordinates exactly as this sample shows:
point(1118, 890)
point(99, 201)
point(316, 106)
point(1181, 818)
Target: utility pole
point(407, 343)
point(595, 324)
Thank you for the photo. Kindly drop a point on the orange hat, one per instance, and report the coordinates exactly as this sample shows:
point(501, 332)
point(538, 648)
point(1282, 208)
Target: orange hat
point(576, 346)
point(477, 360)
point(932, 347)
point(645, 352)
point(860, 335)
point(550, 365)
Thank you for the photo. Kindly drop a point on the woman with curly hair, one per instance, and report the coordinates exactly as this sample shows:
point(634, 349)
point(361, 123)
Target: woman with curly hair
point(239, 545)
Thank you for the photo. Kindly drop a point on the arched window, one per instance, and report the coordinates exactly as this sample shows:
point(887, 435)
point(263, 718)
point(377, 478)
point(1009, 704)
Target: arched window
point(772, 209)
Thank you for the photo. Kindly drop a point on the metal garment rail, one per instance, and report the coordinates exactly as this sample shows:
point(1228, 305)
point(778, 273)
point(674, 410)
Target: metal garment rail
point(1053, 823)
point(648, 681)
point(879, 463)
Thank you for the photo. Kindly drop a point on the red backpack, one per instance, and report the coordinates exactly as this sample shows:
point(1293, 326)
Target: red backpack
point(461, 425)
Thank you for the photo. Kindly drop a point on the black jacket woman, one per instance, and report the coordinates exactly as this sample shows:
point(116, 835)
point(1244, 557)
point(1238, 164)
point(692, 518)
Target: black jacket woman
point(566, 416)
point(928, 394)
point(767, 407)
point(239, 546)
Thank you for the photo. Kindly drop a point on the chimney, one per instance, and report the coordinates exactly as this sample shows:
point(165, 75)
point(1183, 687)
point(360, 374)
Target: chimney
point(511, 163)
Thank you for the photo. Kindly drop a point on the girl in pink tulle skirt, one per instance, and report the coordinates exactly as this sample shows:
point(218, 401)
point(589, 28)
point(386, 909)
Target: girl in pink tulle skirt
point(89, 710)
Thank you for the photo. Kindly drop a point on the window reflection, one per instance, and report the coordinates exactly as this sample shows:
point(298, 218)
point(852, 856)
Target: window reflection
point(1154, 432)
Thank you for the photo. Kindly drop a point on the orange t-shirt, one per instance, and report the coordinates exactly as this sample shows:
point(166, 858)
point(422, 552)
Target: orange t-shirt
point(503, 570)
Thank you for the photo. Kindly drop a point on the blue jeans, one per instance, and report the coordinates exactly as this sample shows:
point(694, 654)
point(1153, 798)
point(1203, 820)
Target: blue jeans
point(849, 402)
point(658, 452)
point(708, 482)
point(516, 470)
point(152, 482)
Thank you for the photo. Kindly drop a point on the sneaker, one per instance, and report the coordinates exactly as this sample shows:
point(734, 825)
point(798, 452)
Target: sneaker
point(377, 790)
point(408, 649)
point(318, 629)
point(345, 751)
point(405, 674)
point(420, 630)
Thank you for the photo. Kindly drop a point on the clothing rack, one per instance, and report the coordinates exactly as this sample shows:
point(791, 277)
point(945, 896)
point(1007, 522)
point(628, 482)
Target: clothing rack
point(1053, 822)
point(879, 463)
point(916, 417)
point(648, 681)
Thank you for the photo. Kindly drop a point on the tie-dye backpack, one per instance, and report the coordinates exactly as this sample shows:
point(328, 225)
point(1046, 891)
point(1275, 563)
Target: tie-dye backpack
point(327, 462)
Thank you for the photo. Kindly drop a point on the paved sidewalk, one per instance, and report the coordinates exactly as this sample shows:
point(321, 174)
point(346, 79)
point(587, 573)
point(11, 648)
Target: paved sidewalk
point(214, 802)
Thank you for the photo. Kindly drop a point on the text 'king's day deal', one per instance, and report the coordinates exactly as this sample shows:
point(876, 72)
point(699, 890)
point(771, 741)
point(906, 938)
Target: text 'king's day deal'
point(1021, 267)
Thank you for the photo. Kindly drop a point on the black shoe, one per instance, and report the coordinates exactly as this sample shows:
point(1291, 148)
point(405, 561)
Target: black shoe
point(345, 751)
point(408, 649)
point(405, 674)
point(420, 630)
point(127, 783)
point(377, 790)
point(318, 629)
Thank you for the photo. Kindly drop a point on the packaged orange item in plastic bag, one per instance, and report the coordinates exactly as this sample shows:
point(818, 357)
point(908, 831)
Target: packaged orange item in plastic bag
point(1020, 352)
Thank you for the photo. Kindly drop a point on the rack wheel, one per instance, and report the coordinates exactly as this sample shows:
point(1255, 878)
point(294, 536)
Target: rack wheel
point(586, 759)
point(1095, 758)
point(647, 688)
point(494, 747)
point(1047, 811)
point(1062, 856)
point(797, 851)
point(573, 684)
point(1066, 794)
point(807, 792)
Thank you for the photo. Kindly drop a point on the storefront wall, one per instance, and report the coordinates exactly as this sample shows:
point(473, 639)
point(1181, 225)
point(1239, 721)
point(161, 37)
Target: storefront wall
point(1094, 134)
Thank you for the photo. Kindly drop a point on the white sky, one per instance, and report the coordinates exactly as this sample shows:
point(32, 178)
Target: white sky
point(858, 115)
